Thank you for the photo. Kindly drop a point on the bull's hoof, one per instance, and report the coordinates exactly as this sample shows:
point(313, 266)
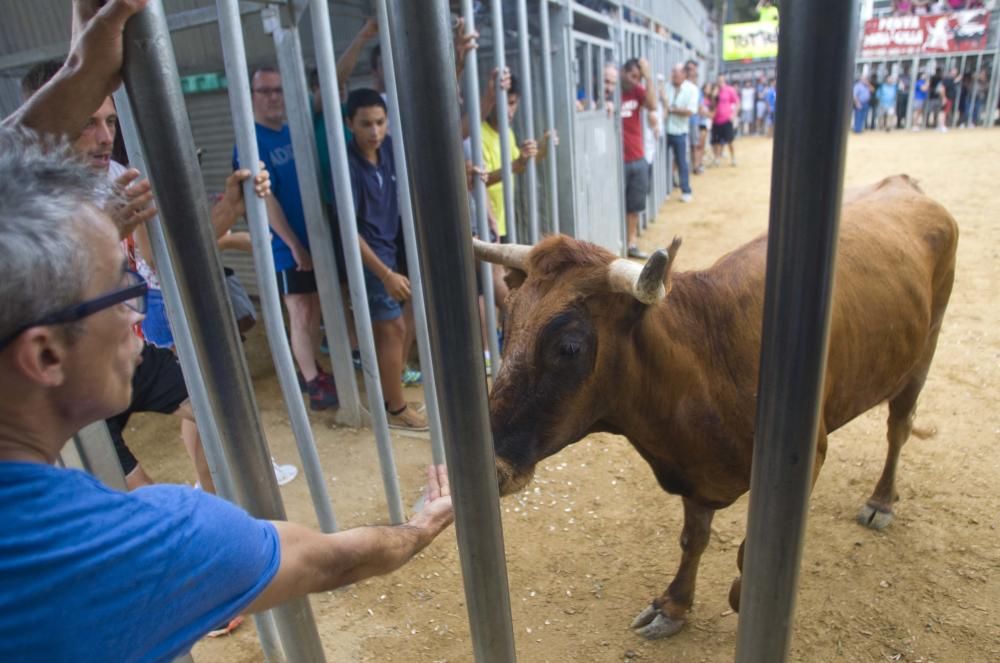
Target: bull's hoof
point(653, 624)
point(873, 517)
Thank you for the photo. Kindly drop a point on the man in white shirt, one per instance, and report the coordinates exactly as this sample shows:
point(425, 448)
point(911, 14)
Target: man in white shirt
point(681, 100)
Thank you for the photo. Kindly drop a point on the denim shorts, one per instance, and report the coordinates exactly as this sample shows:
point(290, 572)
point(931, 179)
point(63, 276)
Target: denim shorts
point(155, 326)
point(381, 306)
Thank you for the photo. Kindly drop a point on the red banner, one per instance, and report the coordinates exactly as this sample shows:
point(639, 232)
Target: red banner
point(939, 33)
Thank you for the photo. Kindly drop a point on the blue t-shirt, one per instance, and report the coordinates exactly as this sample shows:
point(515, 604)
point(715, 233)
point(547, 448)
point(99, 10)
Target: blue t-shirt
point(275, 148)
point(887, 95)
point(375, 200)
point(918, 94)
point(862, 92)
point(771, 96)
point(88, 573)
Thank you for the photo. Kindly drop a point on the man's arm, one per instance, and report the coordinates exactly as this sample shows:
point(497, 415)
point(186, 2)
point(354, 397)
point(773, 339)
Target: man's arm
point(91, 72)
point(650, 101)
point(349, 59)
point(231, 206)
point(279, 224)
point(313, 562)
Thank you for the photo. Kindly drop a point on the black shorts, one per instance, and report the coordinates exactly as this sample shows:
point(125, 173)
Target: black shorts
point(722, 134)
point(295, 282)
point(157, 386)
point(636, 185)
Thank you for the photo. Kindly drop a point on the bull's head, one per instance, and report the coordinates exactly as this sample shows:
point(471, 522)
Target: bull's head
point(571, 309)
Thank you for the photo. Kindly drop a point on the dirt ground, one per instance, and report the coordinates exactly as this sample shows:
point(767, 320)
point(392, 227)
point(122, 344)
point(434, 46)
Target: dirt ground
point(594, 538)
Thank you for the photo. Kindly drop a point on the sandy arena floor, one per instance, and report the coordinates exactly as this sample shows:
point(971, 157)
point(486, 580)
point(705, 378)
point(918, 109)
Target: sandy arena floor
point(593, 538)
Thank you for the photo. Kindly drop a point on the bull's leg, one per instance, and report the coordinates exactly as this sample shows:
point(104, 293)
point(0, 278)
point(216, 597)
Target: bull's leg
point(877, 512)
point(736, 587)
point(667, 614)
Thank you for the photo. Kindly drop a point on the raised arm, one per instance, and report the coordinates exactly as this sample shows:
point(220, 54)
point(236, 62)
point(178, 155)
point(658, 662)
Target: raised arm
point(91, 72)
point(313, 562)
point(349, 59)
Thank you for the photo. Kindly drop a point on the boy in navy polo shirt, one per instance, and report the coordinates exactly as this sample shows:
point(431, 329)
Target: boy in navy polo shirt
point(373, 185)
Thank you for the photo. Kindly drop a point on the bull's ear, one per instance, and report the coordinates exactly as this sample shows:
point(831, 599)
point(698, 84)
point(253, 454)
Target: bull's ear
point(513, 277)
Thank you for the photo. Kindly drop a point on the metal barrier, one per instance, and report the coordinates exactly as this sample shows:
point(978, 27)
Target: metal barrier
point(428, 95)
point(153, 85)
point(816, 44)
point(474, 113)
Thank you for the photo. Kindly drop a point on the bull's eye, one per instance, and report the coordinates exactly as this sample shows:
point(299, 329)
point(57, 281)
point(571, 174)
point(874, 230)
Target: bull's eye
point(569, 349)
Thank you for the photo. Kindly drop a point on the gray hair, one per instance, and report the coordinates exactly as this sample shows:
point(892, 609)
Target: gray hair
point(43, 266)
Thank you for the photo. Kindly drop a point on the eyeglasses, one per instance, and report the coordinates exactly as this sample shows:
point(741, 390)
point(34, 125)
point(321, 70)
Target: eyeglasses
point(268, 91)
point(132, 294)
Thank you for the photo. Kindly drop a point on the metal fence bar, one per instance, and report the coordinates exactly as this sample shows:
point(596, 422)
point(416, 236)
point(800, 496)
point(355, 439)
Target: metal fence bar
point(300, 123)
point(817, 43)
point(153, 84)
point(410, 239)
point(428, 99)
point(326, 64)
point(551, 164)
point(215, 455)
point(500, 61)
point(471, 92)
point(528, 115)
point(267, 285)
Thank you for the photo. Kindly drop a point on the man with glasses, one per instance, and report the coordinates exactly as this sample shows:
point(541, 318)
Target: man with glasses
point(125, 576)
point(289, 240)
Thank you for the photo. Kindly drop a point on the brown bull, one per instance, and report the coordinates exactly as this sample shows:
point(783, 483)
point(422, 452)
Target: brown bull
point(598, 344)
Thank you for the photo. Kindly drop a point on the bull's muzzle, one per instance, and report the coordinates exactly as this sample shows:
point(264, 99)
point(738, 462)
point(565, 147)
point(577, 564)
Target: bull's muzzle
point(511, 480)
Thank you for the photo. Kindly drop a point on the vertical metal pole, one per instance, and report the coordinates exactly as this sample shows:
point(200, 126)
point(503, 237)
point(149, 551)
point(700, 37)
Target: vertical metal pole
point(991, 100)
point(323, 42)
point(500, 60)
point(914, 71)
point(972, 120)
point(528, 114)
point(207, 427)
point(429, 101)
point(817, 43)
point(564, 86)
point(618, 38)
point(278, 22)
point(215, 454)
point(267, 285)
point(551, 164)
point(588, 72)
point(153, 84)
point(471, 92)
point(409, 236)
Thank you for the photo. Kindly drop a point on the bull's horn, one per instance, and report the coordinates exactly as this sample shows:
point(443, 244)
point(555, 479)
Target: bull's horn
point(508, 255)
point(648, 282)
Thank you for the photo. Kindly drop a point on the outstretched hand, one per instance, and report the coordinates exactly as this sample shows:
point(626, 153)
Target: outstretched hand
point(438, 511)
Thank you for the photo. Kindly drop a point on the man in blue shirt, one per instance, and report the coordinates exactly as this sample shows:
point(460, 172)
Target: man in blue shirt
point(373, 186)
point(121, 576)
point(289, 241)
point(862, 95)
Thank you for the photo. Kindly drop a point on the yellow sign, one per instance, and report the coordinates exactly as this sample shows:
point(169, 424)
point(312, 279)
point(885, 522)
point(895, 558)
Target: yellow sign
point(750, 41)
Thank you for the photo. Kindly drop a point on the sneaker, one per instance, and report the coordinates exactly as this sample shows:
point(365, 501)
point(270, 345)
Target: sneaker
point(304, 386)
point(412, 377)
point(356, 358)
point(227, 628)
point(407, 419)
point(322, 394)
point(685, 197)
point(943, 129)
point(284, 474)
point(634, 252)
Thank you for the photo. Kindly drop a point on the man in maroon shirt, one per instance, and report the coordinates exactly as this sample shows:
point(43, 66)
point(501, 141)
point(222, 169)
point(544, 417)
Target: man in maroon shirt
point(634, 96)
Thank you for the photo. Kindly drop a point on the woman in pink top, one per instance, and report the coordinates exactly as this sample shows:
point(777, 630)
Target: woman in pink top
point(726, 104)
